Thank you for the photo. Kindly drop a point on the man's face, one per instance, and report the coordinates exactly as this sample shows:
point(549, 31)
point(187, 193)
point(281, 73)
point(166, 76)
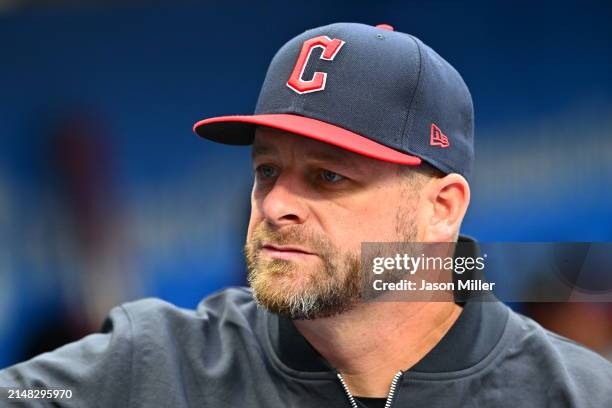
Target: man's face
point(312, 206)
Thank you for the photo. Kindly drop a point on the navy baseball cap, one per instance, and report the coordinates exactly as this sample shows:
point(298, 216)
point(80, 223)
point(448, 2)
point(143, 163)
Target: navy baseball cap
point(367, 89)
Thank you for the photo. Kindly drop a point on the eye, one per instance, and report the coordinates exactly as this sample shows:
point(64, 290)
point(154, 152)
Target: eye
point(331, 177)
point(265, 171)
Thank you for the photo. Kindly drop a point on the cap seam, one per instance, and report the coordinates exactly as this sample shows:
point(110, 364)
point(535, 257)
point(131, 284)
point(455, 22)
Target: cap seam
point(413, 100)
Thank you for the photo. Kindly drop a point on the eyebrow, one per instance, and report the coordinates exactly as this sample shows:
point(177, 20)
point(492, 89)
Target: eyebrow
point(338, 156)
point(259, 150)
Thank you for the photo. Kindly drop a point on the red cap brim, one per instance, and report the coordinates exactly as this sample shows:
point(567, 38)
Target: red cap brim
point(239, 130)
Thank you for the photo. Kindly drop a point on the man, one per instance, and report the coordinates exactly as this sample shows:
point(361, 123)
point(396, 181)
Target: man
point(361, 134)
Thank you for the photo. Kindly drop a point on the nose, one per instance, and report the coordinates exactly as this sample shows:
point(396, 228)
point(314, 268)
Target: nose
point(284, 203)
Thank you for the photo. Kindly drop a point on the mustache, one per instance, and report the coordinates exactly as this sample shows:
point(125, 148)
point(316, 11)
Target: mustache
point(297, 235)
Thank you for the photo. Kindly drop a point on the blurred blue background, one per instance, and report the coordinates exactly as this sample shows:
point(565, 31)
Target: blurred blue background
point(107, 196)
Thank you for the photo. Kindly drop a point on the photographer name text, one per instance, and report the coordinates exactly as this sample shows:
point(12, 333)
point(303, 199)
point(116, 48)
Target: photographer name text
point(424, 285)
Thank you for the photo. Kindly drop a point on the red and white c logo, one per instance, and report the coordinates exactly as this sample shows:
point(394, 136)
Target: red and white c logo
point(317, 83)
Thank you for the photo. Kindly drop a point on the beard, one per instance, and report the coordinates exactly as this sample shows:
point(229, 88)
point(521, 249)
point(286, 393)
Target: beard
point(328, 286)
point(334, 283)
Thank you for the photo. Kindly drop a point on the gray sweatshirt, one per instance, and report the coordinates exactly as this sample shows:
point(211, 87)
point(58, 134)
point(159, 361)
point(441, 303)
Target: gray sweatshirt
point(230, 353)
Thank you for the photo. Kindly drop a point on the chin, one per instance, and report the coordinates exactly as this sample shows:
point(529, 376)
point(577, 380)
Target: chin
point(292, 282)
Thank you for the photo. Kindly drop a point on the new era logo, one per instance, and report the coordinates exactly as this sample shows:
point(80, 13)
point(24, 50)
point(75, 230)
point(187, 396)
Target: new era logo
point(437, 138)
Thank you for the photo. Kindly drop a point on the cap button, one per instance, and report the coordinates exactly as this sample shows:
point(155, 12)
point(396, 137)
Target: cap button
point(385, 27)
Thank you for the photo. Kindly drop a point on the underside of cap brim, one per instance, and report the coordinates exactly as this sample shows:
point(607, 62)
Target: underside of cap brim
point(240, 130)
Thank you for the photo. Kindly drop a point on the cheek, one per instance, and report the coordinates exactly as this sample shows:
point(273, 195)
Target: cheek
point(379, 224)
point(370, 222)
point(377, 220)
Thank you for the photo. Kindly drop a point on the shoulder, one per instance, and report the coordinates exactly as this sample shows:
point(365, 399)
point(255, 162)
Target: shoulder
point(581, 361)
point(534, 338)
point(230, 313)
point(565, 366)
point(224, 331)
point(235, 303)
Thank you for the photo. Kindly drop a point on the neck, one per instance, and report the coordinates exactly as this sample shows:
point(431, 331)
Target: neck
point(372, 342)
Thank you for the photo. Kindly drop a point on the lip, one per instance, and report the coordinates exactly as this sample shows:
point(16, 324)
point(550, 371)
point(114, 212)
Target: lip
point(288, 252)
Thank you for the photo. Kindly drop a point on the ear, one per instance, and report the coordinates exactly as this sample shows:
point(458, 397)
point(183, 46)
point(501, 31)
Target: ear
point(446, 201)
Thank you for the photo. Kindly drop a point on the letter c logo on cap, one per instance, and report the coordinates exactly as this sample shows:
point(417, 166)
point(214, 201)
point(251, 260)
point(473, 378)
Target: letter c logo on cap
point(317, 83)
